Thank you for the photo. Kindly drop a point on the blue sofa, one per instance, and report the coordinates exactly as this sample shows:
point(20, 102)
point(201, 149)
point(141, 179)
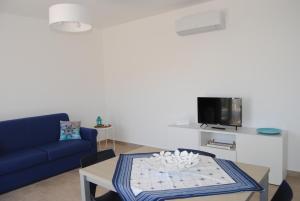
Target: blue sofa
point(30, 150)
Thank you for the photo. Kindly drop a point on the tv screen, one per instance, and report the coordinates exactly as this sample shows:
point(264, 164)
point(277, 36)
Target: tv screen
point(220, 111)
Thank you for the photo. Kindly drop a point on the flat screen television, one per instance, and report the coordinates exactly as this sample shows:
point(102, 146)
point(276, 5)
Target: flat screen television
point(220, 111)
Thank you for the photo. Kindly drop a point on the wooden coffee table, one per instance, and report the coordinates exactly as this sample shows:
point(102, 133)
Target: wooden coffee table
point(102, 174)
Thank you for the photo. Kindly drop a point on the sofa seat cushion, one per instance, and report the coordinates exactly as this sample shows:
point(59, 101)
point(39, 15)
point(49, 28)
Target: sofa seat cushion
point(12, 162)
point(63, 149)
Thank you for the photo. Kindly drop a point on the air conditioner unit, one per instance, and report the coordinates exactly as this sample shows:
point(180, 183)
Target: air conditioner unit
point(201, 22)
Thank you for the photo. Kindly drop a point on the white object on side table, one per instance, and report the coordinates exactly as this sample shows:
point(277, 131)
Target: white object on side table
point(106, 130)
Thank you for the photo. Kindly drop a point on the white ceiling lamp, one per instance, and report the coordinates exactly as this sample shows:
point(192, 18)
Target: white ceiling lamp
point(69, 18)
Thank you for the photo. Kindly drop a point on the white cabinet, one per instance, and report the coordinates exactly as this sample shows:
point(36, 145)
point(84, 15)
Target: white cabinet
point(263, 150)
point(251, 148)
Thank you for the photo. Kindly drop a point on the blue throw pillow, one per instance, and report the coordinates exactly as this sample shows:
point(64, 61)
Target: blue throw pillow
point(70, 130)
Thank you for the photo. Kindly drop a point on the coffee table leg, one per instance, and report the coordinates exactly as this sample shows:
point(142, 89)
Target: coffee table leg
point(265, 184)
point(85, 189)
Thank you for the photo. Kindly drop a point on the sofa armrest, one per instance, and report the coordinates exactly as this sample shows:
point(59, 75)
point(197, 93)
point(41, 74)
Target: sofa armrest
point(90, 135)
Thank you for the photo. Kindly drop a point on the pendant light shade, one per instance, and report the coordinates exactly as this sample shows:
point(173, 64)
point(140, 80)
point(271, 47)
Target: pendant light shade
point(69, 18)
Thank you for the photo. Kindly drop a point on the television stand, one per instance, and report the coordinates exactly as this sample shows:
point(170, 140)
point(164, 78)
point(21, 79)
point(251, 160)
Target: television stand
point(251, 147)
point(203, 124)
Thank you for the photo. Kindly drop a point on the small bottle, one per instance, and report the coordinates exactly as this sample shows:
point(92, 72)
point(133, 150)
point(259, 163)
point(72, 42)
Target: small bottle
point(99, 121)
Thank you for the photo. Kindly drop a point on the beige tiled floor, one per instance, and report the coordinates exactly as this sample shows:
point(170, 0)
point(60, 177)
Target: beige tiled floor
point(65, 187)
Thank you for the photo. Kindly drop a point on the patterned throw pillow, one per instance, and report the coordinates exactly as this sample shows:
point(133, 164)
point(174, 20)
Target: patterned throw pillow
point(69, 130)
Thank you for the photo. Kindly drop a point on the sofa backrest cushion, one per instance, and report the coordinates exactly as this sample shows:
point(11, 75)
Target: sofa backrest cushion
point(30, 132)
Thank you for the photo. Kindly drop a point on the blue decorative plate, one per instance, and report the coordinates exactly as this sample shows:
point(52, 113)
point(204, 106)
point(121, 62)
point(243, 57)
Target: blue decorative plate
point(269, 131)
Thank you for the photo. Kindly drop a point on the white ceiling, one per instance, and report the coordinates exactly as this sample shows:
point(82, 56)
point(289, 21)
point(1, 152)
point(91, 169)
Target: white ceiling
point(105, 12)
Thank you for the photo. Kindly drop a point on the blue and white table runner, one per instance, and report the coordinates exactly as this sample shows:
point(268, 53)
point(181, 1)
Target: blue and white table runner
point(135, 179)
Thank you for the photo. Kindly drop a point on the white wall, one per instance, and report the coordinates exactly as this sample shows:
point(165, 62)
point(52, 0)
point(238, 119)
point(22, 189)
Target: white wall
point(42, 71)
point(153, 76)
